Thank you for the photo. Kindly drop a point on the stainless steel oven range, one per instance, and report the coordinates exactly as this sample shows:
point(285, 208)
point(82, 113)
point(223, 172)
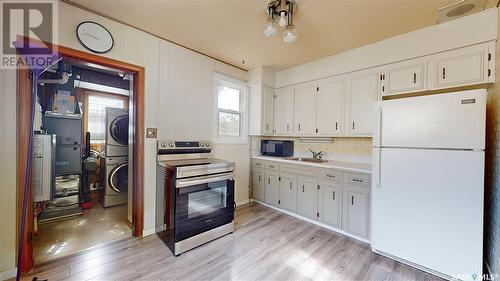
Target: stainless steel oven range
point(195, 195)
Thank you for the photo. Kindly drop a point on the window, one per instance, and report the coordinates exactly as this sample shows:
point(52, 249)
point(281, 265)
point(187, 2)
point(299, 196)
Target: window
point(97, 113)
point(231, 110)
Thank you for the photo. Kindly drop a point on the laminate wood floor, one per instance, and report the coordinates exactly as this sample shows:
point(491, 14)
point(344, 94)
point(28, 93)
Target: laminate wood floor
point(266, 245)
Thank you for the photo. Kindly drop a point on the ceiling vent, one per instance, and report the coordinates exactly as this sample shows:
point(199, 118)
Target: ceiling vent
point(459, 9)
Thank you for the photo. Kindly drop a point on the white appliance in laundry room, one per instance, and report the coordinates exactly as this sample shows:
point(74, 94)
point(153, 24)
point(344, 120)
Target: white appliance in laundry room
point(428, 182)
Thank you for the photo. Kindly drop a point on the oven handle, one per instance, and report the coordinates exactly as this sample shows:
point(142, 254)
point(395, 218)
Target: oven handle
point(204, 179)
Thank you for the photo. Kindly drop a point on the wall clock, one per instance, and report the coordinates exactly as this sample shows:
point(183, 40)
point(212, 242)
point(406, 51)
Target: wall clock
point(94, 37)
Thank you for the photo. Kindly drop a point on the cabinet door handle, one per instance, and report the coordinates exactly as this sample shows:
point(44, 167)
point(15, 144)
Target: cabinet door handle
point(299, 127)
point(353, 125)
point(303, 188)
point(352, 200)
point(290, 185)
point(267, 126)
point(414, 78)
point(333, 195)
point(268, 180)
point(358, 180)
point(336, 126)
point(444, 73)
point(287, 127)
point(331, 176)
point(259, 178)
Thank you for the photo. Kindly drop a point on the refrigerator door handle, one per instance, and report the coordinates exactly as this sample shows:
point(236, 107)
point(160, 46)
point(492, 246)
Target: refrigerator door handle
point(377, 143)
point(379, 168)
point(377, 134)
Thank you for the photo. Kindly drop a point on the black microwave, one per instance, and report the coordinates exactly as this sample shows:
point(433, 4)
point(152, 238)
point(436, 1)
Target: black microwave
point(280, 148)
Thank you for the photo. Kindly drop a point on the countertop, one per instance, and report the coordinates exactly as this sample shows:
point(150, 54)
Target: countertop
point(358, 167)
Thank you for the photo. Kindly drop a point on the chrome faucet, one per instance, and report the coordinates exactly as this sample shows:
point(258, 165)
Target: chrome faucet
point(316, 155)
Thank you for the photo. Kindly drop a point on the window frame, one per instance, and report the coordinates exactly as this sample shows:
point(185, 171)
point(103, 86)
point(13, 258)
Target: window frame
point(223, 80)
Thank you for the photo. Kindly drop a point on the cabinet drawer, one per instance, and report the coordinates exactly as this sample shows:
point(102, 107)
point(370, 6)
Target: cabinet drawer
point(271, 166)
point(330, 176)
point(357, 179)
point(257, 164)
point(299, 170)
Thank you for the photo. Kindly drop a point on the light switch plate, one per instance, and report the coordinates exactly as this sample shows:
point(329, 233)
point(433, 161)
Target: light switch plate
point(151, 133)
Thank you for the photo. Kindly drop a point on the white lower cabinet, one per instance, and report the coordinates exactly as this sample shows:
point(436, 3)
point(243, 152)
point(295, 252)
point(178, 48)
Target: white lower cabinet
point(332, 197)
point(258, 185)
point(287, 194)
point(356, 210)
point(330, 204)
point(307, 198)
point(271, 184)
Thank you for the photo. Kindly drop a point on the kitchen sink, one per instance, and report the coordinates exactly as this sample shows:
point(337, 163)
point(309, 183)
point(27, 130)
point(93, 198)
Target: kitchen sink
point(305, 159)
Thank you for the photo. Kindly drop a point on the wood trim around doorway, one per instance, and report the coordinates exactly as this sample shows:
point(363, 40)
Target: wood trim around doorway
point(23, 121)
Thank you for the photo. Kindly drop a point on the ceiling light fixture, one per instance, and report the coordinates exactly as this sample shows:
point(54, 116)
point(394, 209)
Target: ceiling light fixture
point(285, 10)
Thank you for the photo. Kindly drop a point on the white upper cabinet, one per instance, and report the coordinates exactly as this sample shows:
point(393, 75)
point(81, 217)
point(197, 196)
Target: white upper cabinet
point(404, 77)
point(362, 92)
point(305, 109)
point(330, 106)
point(342, 105)
point(461, 67)
point(283, 107)
point(268, 110)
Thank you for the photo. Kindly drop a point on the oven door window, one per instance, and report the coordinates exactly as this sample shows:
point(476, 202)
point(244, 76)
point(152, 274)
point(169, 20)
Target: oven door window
point(203, 206)
point(207, 201)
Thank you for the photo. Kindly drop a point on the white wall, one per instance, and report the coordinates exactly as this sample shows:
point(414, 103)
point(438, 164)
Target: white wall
point(473, 29)
point(8, 190)
point(192, 92)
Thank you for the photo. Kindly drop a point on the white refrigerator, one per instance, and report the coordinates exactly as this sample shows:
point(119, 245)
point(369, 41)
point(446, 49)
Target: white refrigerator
point(428, 182)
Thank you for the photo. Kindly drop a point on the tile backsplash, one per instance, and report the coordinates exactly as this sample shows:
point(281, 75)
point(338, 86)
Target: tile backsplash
point(358, 146)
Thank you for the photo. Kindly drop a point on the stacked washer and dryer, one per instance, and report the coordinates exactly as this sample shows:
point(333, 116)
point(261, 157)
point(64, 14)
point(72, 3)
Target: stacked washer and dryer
point(115, 183)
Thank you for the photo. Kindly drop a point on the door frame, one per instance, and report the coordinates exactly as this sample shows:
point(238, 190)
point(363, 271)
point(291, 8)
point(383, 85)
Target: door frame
point(23, 121)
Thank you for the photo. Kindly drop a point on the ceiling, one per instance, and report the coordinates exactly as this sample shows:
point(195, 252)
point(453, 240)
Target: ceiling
point(232, 30)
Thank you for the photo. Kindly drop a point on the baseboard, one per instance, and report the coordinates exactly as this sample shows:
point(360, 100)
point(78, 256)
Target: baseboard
point(423, 268)
point(340, 231)
point(148, 231)
point(242, 202)
point(8, 274)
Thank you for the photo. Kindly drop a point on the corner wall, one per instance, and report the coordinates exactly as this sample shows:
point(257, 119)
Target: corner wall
point(492, 181)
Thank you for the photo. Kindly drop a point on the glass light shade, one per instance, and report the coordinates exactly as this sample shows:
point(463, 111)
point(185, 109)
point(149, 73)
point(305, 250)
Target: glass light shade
point(270, 27)
point(290, 34)
point(283, 21)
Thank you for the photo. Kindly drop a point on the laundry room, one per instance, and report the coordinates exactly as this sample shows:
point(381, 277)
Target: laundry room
point(81, 158)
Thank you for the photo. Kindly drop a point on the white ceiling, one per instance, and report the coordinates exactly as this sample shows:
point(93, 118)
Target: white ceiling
point(232, 30)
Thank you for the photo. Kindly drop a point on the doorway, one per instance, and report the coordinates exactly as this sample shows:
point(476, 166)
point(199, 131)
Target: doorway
point(121, 210)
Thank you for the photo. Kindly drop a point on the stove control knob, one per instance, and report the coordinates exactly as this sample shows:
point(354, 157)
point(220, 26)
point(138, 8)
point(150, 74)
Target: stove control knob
point(163, 145)
point(207, 145)
point(171, 144)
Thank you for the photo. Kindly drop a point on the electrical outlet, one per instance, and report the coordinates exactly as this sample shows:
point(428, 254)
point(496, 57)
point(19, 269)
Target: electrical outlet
point(151, 133)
